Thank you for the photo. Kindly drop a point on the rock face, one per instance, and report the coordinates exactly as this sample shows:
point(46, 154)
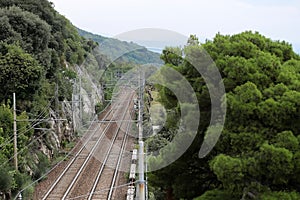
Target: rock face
point(71, 117)
point(59, 130)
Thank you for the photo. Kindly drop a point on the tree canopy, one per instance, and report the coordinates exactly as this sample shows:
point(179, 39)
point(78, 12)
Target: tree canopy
point(39, 49)
point(257, 155)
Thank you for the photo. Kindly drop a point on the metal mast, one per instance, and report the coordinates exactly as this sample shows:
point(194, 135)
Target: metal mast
point(141, 183)
point(15, 133)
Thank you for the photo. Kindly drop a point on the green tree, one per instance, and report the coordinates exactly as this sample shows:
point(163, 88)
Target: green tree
point(280, 195)
point(258, 152)
point(229, 171)
point(243, 104)
point(6, 176)
point(35, 32)
point(20, 72)
point(287, 140)
point(275, 165)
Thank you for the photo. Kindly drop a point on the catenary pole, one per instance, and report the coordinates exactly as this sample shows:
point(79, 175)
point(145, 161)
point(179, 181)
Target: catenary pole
point(15, 133)
point(141, 187)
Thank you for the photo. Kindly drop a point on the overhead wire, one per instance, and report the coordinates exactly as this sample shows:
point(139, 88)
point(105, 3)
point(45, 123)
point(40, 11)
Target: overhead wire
point(37, 122)
point(70, 153)
point(56, 165)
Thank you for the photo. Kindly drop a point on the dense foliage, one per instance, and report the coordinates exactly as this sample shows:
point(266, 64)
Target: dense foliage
point(20, 72)
point(257, 156)
point(38, 48)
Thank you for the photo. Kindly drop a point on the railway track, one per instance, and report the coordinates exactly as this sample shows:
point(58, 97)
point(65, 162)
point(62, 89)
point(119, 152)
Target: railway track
point(93, 170)
point(104, 186)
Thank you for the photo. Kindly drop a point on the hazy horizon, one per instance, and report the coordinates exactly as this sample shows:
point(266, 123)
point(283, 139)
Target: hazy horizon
point(275, 19)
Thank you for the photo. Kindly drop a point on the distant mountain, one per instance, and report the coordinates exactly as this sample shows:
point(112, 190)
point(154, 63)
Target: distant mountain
point(121, 50)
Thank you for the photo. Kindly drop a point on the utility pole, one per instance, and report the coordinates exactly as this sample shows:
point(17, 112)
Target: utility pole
point(15, 133)
point(73, 113)
point(74, 105)
point(57, 123)
point(141, 188)
point(80, 97)
point(146, 170)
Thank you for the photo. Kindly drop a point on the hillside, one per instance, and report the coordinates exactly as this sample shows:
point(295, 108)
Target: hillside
point(40, 54)
point(121, 50)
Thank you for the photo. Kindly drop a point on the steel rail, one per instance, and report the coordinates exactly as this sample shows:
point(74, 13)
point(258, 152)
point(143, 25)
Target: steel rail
point(124, 142)
point(75, 157)
point(87, 159)
point(89, 155)
point(106, 157)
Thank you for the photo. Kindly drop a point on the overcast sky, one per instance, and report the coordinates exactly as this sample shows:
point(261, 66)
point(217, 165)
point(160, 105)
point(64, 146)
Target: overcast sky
point(278, 19)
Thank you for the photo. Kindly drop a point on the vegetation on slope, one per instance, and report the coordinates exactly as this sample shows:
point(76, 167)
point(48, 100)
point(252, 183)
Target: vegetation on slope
point(37, 48)
point(122, 51)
